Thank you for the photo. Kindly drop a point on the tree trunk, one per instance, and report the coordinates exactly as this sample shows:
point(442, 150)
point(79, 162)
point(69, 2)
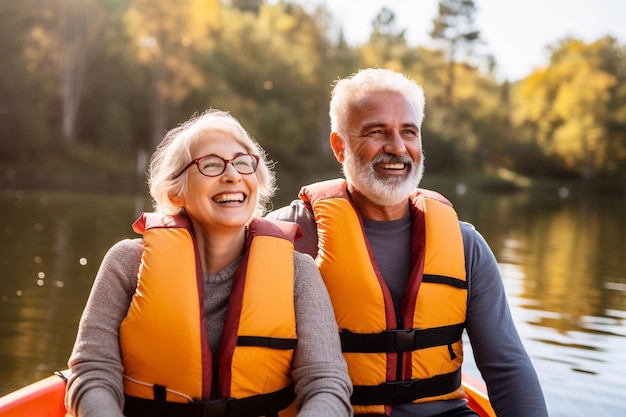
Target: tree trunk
point(72, 66)
point(159, 102)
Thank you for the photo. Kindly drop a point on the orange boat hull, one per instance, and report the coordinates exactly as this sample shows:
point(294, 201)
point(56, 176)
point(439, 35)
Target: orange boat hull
point(41, 399)
point(476, 394)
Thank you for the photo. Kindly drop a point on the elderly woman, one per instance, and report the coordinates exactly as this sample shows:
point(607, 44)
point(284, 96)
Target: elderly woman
point(212, 312)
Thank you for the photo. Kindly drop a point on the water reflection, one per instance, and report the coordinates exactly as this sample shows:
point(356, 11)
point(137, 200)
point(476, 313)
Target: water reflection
point(51, 248)
point(562, 259)
point(564, 269)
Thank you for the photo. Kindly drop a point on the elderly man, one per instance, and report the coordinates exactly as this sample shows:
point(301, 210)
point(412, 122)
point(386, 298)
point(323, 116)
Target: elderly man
point(405, 276)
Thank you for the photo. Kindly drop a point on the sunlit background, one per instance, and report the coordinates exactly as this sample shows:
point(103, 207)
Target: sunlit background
point(517, 33)
point(525, 132)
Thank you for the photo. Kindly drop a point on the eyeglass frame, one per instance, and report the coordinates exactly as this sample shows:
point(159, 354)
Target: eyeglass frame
point(226, 162)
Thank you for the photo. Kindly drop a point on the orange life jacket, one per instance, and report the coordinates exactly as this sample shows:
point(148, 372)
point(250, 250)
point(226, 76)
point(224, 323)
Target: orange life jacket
point(389, 365)
point(168, 364)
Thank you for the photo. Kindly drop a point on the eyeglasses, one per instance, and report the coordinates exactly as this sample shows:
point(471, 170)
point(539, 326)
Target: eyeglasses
point(213, 165)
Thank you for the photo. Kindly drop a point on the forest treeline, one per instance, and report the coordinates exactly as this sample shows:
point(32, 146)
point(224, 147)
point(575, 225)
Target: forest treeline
point(94, 83)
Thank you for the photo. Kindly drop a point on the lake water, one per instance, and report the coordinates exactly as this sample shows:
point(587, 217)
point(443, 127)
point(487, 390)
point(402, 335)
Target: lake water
point(562, 256)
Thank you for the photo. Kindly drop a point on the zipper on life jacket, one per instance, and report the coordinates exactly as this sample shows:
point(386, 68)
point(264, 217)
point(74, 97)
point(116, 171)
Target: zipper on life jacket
point(215, 379)
point(399, 355)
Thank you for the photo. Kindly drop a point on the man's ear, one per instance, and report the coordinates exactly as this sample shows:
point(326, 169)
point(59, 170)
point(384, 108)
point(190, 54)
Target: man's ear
point(336, 143)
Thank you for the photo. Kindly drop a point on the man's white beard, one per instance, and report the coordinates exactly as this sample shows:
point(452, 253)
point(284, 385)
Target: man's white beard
point(384, 190)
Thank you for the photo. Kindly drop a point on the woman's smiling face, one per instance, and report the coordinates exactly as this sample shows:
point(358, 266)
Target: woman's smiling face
point(225, 201)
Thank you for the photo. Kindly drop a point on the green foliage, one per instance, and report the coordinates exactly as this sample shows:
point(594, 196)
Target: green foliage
point(150, 64)
point(574, 108)
point(454, 26)
point(23, 120)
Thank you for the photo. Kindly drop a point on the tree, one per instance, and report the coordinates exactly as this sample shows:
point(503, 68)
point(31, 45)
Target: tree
point(22, 117)
point(168, 37)
point(247, 5)
point(575, 104)
point(387, 44)
point(55, 52)
point(454, 26)
point(72, 59)
point(270, 72)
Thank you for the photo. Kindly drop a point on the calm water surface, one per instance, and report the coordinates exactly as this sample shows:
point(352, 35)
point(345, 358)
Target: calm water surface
point(563, 261)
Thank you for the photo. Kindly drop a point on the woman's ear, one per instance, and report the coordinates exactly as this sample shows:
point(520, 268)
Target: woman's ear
point(336, 143)
point(177, 200)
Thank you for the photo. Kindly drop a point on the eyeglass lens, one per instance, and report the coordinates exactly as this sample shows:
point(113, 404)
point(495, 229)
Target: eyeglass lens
point(213, 165)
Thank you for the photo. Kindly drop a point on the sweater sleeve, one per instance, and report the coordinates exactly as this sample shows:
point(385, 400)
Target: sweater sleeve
point(95, 385)
point(499, 353)
point(300, 213)
point(323, 387)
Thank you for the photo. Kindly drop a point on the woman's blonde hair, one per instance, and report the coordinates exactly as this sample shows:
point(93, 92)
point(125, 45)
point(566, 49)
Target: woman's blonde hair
point(174, 153)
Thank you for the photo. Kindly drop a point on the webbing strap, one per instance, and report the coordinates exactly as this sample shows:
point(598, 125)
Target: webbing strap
point(440, 279)
point(403, 392)
point(258, 405)
point(400, 340)
point(270, 342)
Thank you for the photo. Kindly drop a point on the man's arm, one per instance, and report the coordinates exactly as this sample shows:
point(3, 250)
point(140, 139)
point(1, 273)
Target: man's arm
point(505, 366)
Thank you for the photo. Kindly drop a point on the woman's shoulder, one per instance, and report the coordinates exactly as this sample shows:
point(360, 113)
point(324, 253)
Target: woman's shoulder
point(124, 252)
point(127, 247)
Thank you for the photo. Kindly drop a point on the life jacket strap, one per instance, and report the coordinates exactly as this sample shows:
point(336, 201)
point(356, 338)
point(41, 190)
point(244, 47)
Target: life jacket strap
point(400, 340)
point(404, 392)
point(269, 342)
point(440, 279)
point(258, 405)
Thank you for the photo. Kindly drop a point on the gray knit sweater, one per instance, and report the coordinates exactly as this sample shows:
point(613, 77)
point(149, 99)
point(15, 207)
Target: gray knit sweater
point(323, 387)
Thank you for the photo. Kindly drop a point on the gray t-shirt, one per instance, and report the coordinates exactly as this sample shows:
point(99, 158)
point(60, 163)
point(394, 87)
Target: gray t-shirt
point(392, 254)
point(505, 366)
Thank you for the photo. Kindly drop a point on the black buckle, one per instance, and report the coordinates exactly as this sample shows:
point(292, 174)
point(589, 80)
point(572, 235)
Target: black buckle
point(403, 339)
point(215, 408)
point(404, 391)
point(407, 391)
